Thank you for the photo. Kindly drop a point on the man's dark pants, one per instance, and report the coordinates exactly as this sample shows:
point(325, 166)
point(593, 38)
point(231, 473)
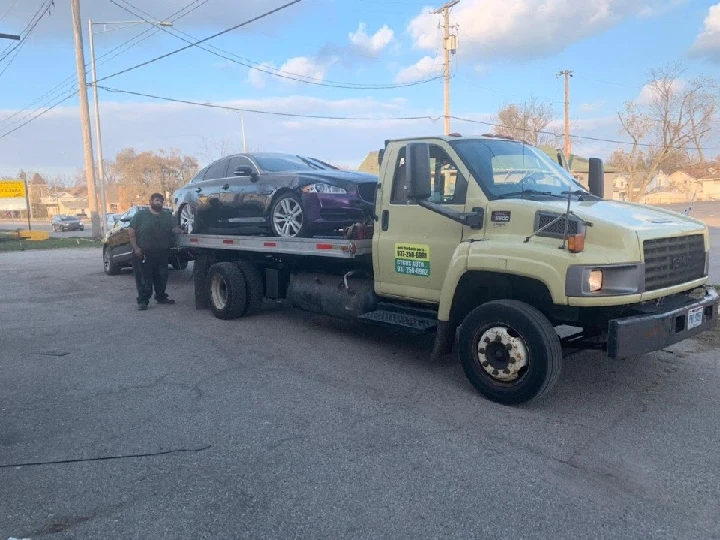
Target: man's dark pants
point(151, 274)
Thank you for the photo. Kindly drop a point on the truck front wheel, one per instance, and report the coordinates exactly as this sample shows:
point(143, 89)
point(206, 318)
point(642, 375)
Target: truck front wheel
point(510, 352)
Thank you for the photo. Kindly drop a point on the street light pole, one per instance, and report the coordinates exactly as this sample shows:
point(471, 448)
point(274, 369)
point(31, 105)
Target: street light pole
point(101, 172)
point(14, 37)
point(98, 137)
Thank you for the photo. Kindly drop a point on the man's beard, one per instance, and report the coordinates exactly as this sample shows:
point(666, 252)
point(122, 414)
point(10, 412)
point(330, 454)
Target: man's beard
point(157, 207)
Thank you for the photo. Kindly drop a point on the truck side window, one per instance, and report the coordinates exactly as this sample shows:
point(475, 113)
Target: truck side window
point(449, 186)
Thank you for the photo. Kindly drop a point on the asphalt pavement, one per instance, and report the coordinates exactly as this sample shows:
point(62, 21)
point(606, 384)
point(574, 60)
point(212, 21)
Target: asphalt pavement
point(172, 424)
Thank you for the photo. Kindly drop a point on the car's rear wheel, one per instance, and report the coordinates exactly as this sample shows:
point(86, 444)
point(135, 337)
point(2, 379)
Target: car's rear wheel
point(111, 269)
point(186, 218)
point(287, 217)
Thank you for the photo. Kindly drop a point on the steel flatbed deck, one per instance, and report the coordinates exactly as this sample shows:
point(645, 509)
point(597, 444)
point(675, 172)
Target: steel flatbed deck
point(338, 248)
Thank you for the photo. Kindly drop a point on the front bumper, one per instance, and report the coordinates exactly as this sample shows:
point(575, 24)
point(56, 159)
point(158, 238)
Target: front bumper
point(661, 324)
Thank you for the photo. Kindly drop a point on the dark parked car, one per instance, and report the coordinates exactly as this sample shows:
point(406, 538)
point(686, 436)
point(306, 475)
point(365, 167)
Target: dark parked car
point(281, 194)
point(63, 223)
point(117, 250)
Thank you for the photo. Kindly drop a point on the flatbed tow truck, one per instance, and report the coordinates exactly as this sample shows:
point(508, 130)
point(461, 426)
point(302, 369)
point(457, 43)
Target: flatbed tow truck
point(490, 254)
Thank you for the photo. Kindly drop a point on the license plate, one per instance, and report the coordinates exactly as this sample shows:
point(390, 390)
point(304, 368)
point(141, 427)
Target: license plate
point(695, 317)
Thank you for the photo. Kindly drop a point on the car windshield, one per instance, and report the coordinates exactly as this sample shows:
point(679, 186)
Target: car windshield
point(283, 163)
point(511, 169)
point(68, 218)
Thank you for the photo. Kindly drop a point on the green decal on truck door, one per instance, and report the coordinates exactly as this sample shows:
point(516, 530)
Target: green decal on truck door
point(412, 259)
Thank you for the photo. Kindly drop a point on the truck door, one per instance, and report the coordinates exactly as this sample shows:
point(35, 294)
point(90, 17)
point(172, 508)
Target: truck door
point(413, 247)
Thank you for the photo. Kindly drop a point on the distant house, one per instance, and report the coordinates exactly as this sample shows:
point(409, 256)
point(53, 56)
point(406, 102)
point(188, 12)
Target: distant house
point(370, 164)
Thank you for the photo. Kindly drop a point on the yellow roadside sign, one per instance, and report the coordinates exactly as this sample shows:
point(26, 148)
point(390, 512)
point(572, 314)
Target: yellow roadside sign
point(12, 189)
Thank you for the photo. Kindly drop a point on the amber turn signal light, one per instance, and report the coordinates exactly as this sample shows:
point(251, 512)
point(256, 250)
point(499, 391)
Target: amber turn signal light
point(576, 243)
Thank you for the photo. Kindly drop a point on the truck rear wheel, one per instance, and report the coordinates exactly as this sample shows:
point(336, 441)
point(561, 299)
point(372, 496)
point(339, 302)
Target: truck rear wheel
point(254, 287)
point(510, 352)
point(227, 294)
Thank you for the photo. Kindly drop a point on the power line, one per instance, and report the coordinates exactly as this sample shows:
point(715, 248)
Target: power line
point(48, 109)
point(34, 21)
point(68, 82)
point(260, 111)
point(246, 62)
point(585, 137)
point(227, 30)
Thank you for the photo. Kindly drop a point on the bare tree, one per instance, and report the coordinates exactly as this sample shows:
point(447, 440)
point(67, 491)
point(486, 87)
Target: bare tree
point(668, 123)
point(527, 122)
point(214, 149)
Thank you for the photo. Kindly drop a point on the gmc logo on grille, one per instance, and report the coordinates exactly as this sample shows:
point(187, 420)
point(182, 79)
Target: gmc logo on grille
point(680, 260)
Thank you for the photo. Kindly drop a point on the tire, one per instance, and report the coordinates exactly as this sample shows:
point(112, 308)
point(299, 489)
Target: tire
point(177, 264)
point(510, 326)
point(111, 269)
point(226, 291)
point(287, 217)
point(254, 287)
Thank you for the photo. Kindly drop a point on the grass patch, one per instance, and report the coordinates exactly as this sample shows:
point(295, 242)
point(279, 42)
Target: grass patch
point(10, 242)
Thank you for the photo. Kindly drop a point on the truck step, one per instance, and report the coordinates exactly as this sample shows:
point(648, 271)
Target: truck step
point(418, 320)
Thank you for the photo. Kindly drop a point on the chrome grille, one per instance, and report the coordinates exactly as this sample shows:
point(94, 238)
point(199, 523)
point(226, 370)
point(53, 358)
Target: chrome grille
point(367, 191)
point(672, 261)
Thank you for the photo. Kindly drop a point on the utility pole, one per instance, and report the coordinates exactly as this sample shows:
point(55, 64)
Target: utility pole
point(85, 119)
point(449, 46)
point(14, 37)
point(568, 147)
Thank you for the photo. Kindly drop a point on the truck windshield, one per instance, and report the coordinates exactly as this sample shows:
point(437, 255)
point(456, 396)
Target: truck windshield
point(511, 169)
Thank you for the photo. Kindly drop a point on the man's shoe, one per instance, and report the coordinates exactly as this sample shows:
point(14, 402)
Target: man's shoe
point(165, 301)
point(142, 307)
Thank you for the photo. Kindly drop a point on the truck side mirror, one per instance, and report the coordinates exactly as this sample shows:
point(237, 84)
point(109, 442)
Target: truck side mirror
point(417, 171)
point(596, 177)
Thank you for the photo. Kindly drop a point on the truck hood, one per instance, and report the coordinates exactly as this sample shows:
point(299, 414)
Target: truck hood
point(647, 221)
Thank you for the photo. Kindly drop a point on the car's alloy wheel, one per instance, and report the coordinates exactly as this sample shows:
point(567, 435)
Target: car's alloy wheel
point(186, 219)
point(287, 217)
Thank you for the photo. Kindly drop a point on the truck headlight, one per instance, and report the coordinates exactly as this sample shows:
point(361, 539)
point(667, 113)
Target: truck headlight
point(595, 280)
point(605, 280)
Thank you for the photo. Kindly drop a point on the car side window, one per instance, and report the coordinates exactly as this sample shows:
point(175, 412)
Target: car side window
point(448, 184)
point(199, 176)
point(239, 161)
point(217, 170)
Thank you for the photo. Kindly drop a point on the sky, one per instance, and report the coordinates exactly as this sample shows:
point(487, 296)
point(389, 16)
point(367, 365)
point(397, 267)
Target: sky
point(373, 66)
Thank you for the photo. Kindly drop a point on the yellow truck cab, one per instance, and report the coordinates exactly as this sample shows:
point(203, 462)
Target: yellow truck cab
point(491, 244)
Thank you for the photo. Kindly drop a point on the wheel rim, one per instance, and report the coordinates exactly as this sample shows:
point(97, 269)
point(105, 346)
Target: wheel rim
point(288, 217)
point(187, 218)
point(218, 291)
point(502, 354)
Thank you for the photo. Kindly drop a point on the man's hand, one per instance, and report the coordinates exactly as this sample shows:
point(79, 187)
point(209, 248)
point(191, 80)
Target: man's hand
point(177, 230)
point(138, 252)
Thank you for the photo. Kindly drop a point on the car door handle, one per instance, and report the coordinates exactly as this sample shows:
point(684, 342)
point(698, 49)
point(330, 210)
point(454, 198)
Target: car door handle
point(198, 190)
point(385, 220)
point(226, 186)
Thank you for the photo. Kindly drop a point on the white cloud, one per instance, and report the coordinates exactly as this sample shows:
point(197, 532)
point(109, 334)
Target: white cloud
point(258, 77)
point(708, 41)
point(591, 107)
point(649, 93)
point(371, 44)
point(524, 29)
point(54, 141)
point(214, 14)
point(422, 69)
point(305, 67)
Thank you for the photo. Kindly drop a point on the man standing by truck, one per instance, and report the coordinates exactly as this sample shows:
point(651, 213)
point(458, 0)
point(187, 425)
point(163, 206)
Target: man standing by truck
point(151, 232)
